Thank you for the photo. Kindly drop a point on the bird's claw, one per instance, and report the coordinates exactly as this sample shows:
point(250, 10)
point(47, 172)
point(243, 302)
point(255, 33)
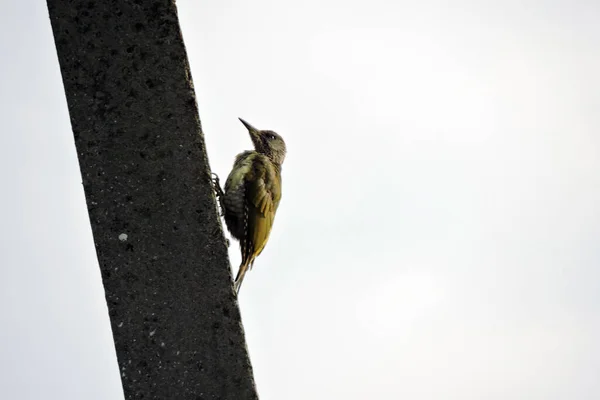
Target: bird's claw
point(218, 192)
point(215, 181)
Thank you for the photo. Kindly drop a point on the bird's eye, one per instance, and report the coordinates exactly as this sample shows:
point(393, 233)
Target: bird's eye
point(271, 137)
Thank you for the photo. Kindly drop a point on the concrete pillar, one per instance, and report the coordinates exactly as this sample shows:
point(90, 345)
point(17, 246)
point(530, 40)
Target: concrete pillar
point(145, 172)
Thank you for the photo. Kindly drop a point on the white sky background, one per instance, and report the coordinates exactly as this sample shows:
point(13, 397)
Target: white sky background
point(439, 232)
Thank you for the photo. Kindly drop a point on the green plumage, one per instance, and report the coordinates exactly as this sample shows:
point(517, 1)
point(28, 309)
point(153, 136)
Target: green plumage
point(252, 195)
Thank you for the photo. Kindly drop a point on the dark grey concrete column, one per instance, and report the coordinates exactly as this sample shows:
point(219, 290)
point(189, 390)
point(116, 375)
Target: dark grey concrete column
point(146, 177)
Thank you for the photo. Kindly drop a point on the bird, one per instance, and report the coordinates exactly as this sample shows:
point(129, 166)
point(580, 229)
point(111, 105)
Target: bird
point(252, 195)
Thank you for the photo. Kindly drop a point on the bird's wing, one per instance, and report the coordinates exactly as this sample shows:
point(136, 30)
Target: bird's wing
point(262, 194)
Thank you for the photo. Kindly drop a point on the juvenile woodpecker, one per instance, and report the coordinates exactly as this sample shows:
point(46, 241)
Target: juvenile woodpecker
point(252, 194)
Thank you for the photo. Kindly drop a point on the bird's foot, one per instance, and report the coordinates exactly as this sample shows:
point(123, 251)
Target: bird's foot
point(216, 182)
point(218, 192)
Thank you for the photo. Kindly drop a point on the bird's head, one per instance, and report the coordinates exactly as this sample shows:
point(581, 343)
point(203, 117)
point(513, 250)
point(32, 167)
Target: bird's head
point(268, 143)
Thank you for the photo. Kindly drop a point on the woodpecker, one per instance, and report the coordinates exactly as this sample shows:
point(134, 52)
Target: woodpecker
point(252, 194)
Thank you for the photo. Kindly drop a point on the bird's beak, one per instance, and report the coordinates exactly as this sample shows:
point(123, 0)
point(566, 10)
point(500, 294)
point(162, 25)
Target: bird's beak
point(254, 133)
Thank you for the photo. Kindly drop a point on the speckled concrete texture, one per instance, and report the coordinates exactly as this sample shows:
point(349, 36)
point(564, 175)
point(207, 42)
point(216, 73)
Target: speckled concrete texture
point(146, 177)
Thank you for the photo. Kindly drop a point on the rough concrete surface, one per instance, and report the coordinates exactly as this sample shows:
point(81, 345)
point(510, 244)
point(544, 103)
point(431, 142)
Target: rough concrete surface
point(146, 177)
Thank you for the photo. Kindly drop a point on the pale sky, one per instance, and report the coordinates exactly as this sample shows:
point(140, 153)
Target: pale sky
point(439, 232)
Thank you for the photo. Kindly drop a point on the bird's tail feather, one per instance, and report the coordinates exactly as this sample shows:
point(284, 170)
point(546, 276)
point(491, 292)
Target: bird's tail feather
point(244, 266)
point(247, 261)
